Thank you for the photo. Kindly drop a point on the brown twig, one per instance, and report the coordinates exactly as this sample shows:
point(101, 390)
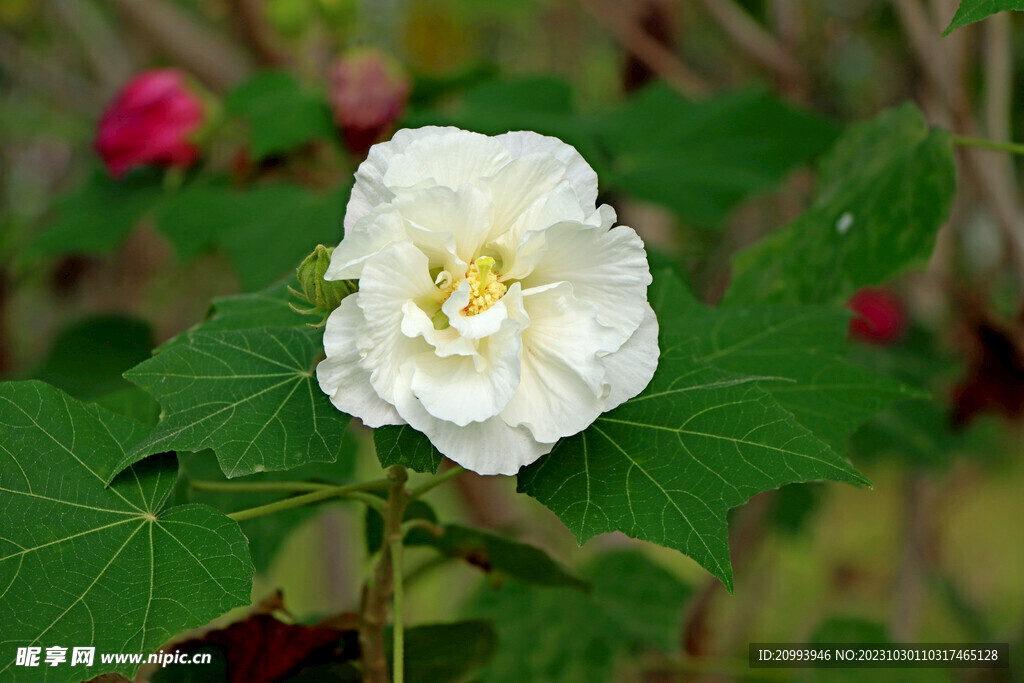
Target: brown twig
point(913, 568)
point(788, 20)
point(108, 58)
point(990, 180)
point(758, 44)
point(746, 537)
point(254, 31)
point(46, 78)
point(662, 61)
point(374, 609)
point(215, 61)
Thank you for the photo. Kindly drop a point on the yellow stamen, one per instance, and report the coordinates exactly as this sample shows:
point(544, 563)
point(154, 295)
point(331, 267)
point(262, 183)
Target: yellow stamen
point(485, 287)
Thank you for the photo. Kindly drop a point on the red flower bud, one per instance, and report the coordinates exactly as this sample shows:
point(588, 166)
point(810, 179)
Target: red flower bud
point(880, 316)
point(368, 95)
point(150, 122)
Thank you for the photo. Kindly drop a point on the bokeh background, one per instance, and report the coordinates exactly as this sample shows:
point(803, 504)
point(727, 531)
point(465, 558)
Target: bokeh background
point(703, 119)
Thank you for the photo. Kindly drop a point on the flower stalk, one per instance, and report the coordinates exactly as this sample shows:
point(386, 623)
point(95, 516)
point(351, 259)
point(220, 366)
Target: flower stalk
point(353, 491)
point(994, 145)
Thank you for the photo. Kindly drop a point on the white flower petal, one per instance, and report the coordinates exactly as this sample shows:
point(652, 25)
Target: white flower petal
point(369, 237)
point(606, 268)
point(343, 378)
point(464, 389)
point(488, 447)
point(630, 369)
point(451, 159)
point(369, 190)
point(521, 184)
point(578, 171)
point(446, 342)
point(562, 387)
point(462, 212)
point(390, 279)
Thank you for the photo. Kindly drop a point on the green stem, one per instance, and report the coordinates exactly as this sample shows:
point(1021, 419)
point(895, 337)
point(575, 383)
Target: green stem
point(995, 145)
point(435, 482)
point(353, 491)
point(398, 630)
point(279, 486)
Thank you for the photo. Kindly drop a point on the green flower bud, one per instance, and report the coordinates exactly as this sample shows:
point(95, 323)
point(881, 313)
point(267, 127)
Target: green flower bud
point(323, 295)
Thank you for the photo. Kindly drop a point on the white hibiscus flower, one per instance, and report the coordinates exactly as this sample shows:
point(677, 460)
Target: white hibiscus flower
point(498, 309)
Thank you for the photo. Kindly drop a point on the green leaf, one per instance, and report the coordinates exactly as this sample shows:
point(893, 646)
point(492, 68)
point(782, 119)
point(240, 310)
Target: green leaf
point(667, 465)
point(87, 564)
point(266, 230)
point(447, 653)
point(266, 533)
point(95, 218)
point(403, 445)
point(561, 635)
point(971, 11)
point(884, 191)
point(497, 554)
point(701, 158)
point(250, 395)
point(88, 357)
point(801, 344)
point(267, 308)
point(280, 114)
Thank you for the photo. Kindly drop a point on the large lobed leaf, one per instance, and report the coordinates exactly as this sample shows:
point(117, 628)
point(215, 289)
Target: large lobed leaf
point(250, 395)
point(884, 191)
point(270, 307)
point(266, 534)
point(805, 345)
point(971, 11)
point(668, 465)
point(87, 564)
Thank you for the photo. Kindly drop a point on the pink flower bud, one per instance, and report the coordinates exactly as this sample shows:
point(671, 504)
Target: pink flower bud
point(368, 95)
point(150, 122)
point(880, 316)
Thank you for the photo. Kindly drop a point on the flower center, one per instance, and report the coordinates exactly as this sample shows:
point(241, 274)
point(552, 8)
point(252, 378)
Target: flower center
point(484, 286)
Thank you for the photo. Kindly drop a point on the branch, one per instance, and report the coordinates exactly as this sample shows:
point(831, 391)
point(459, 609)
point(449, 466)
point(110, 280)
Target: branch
point(45, 78)
point(353, 491)
point(107, 56)
point(757, 43)
point(637, 42)
point(374, 610)
point(254, 31)
point(747, 535)
point(198, 48)
point(990, 180)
